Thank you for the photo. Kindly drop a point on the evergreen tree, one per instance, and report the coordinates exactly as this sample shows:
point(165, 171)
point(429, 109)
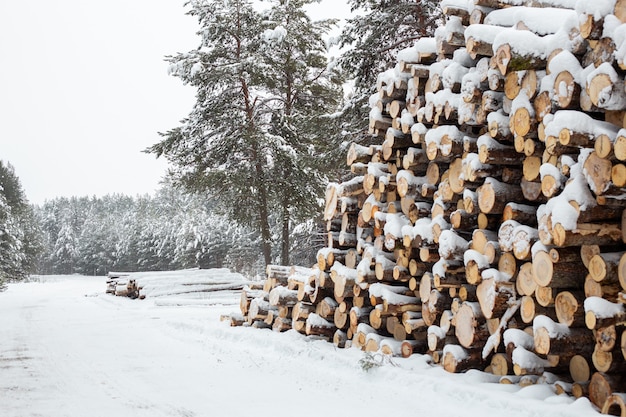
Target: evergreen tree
point(221, 146)
point(10, 243)
point(261, 84)
point(303, 89)
point(65, 251)
point(19, 236)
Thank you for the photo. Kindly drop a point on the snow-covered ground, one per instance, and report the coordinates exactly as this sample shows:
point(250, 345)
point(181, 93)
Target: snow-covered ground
point(69, 349)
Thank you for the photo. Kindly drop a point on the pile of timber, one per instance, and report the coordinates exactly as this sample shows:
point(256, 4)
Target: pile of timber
point(181, 287)
point(122, 285)
point(486, 225)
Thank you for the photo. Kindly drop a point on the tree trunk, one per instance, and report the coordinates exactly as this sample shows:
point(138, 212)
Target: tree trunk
point(285, 238)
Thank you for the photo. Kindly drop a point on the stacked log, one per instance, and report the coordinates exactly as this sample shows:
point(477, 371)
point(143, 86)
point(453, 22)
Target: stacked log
point(122, 285)
point(487, 228)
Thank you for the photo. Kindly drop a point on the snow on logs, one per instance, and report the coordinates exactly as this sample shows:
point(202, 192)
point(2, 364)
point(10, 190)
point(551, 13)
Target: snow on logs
point(486, 228)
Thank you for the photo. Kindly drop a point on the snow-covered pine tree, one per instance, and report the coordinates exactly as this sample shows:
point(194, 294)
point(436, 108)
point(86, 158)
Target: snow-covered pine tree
point(65, 251)
point(10, 244)
point(303, 89)
point(220, 147)
point(19, 235)
point(378, 30)
point(253, 95)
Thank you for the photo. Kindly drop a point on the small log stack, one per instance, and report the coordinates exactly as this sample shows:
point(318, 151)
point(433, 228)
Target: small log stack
point(122, 285)
point(487, 228)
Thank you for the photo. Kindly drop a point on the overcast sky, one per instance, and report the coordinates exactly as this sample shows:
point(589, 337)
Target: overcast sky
point(84, 89)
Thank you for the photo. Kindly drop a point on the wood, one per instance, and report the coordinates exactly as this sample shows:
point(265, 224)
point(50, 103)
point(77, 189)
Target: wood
point(598, 173)
point(606, 338)
point(470, 329)
point(567, 91)
point(501, 364)
point(604, 267)
point(602, 386)
point(579, 369)
point(606, 94)
point(494, 195)
point(544, 344)
point(615, 405)
point(525, 283)
point(557, 275)
point(569, 308)
point(494, 297)
point(593, 234)
point(458, 363)
point(529, 309)
point(508, 59)
point(530, 168)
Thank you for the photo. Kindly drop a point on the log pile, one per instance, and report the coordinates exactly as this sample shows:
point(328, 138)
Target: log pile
point(180, 287)
point(487, 227)
point(122, 285)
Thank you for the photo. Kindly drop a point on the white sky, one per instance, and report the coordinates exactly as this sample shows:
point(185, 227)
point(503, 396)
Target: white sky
point(84, 89)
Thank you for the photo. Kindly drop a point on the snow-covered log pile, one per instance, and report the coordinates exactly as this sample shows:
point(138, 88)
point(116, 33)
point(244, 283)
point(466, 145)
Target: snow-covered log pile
point(122, 285)
point(184, 287)
point(486, 229)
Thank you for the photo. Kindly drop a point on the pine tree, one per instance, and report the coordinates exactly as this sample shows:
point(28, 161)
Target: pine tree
point(220, 146)
point(65, 251)
point(243, 141)
point(303, 89)
point(19, 236)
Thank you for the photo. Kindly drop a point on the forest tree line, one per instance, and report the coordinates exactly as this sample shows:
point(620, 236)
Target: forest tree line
point(94, 235)
point(269, 129)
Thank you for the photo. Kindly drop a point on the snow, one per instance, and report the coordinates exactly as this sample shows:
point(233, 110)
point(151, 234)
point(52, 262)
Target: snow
point(68, 349)
point(485, 33)
point(528, 360)
point(422, 46)
point(393, 295)
point(318, 321)
point(519, 337)
point(395, 223)
point(434, 135)
point(619, 37)
point(455, 350)
point(555, 330)
point(451, 244)
point(496, 275)
point(478, 258)
point(343, 270)
point(597, 8)
point(275, 35)
point(541, 21)
point(522, 41)
point(602, 308)
point(565, 61)
point(580, 122)
point(467, 5)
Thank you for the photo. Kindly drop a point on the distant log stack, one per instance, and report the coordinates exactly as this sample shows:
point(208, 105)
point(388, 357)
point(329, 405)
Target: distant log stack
point(490, 227)
point(122, 285)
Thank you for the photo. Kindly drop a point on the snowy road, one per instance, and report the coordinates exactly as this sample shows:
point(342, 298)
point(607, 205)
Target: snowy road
point(67, 349)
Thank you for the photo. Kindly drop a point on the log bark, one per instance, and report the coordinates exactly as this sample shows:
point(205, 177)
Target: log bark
point(545, 344)
point(507, 59)
point(494, 297)
point(557, 275)
point(459, 360)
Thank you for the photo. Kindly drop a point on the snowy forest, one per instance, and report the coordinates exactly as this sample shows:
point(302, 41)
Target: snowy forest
point(250, 162)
